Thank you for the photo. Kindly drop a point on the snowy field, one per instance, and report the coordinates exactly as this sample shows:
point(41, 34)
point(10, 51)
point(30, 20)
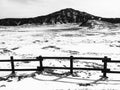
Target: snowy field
point(59, 40)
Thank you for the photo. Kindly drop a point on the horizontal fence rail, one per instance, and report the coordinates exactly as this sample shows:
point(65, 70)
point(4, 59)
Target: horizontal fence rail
point(19, 60)
point(18, 69)
point(41, 68)
point(84, 58)
point(114, 61)
point(96, 69)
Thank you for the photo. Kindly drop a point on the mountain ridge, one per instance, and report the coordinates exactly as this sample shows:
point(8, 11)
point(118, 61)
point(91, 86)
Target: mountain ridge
point(63, 16)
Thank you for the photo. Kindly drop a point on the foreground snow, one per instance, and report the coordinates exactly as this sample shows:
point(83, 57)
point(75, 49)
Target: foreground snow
point(52, 82)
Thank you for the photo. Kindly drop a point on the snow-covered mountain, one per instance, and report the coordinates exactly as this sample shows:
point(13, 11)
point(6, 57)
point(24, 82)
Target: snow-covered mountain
point(63, 16)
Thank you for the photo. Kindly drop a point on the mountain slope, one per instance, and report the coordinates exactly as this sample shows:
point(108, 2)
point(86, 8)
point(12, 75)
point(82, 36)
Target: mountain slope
point(67, 15)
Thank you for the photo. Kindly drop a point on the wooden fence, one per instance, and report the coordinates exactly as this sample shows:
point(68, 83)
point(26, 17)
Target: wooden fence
point(40, 59)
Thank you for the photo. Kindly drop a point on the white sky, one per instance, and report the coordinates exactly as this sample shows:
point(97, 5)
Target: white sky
point(32, 8)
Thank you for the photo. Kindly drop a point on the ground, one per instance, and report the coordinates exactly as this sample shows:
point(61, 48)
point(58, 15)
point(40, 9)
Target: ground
point(59, 40)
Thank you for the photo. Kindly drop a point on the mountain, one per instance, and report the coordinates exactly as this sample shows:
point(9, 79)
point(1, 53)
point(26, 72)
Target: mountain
point(67, 15)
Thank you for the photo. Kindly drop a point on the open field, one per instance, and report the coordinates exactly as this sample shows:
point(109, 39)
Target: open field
point(60, 40)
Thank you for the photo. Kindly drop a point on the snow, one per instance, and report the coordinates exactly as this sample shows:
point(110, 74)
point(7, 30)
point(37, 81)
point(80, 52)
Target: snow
point(46, 82)
point(59, 40)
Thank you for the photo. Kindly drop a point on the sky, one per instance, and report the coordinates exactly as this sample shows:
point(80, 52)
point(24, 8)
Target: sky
point(33, 8)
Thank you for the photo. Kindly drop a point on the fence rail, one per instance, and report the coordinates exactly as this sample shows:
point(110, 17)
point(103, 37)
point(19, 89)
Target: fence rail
point(40, 59)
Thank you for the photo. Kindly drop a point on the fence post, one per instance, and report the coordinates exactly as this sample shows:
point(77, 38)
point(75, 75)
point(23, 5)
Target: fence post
point(41, 63)
point(71, 64)
point(12, 65)
point(104, 71)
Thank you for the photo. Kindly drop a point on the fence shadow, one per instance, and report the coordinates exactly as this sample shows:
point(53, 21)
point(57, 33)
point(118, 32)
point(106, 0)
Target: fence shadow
point(90, 82)
point(63, 78)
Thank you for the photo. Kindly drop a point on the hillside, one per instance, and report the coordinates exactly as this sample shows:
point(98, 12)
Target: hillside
point(67, 15)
